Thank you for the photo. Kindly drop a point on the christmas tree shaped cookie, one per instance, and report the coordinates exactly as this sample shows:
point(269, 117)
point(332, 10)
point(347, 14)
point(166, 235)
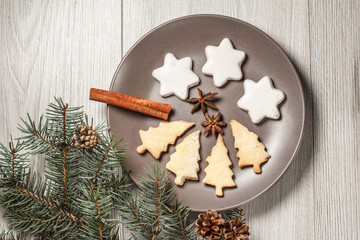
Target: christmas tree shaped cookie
point(184, 162)
point(156, 140)
point(218, 172)
point(251, 151)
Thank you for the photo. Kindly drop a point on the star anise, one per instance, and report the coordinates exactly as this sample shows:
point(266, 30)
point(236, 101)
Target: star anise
point(203, 101)
point(213, 124)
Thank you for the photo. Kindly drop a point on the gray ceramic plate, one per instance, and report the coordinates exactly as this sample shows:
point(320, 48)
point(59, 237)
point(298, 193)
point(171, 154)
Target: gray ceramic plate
point(188, 36)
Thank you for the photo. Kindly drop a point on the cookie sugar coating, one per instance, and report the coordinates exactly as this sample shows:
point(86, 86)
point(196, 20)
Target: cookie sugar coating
point(184, 161)
point(223, 62)
point(261, 99)
point(176, 76)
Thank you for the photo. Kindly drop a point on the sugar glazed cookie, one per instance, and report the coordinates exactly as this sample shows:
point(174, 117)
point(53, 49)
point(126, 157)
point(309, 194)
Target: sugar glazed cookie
point(261, 99)
point(223, 62)
point(176, 76)
point(218, 172)
point(251, 151)
point(184, 162)
point(156, 140)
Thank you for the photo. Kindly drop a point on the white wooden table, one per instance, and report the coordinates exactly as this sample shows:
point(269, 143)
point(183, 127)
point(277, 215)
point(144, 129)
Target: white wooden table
point(63, 48)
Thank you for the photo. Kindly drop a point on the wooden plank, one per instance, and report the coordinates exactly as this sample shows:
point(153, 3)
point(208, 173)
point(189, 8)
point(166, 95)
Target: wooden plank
point(335, 66)
point(285, 212)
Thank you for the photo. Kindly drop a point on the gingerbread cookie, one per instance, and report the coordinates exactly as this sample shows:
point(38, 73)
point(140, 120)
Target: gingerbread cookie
point(156, 140)
point(223, 62)
point(251, 151)
point(184, 162)
point(218, 172)
point(176, 76)
point(261, 99)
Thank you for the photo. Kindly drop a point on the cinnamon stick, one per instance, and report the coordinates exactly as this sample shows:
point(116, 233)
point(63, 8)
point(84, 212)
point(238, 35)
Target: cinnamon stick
point(141, 105)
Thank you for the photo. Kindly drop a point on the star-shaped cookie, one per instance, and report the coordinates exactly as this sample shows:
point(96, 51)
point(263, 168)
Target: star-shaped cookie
point(176, 76)
point(223, 62)
point(261, 99)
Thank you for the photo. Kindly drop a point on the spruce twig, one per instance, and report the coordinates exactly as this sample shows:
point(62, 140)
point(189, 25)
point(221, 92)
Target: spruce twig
point(72, 202)
point(177, 224)
point(234, 213)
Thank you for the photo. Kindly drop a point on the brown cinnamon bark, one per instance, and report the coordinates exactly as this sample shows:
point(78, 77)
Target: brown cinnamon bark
point(141, 105)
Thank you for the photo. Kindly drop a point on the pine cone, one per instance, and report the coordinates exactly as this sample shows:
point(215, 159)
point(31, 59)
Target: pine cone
point(85, 137)
point(236, 230)
point(210, 225)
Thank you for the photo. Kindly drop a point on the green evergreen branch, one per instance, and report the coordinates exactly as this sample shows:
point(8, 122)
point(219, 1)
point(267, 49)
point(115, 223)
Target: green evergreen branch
point(145, 211)
point(12, 162)
point(64, 154)
point(99, 217)
point(158, 203)
point(234, 213)
point(176, 225)
point(98, 210)
point(47, 202)
point(94, 180)
point(13, 150)
point(27, 202)
point(177, 212)
point(64, 106)
point(134, 210)
point(36, 137)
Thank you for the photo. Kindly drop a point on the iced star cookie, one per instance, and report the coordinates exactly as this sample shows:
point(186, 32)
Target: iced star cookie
point(218, 172)
point(156, 140)
point(223, 62)
point(261, 99)
point(251, 151)
point(176, 76)
point(184, 161)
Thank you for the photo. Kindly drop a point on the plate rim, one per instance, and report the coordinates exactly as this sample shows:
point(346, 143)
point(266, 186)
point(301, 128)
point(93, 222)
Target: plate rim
point(300, 139)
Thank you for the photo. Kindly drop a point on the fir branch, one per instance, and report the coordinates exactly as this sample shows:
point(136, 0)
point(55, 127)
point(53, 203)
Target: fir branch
point(51, 137)
point(37, 134)
point(154, 194)
point(36, 137)
point(144, 212)
point(12, 162)
point(234, 213)
point(94, 180)
point(139, 220)
point(47, 202)
point(50, 208)
point(37, 197)
point(176, 224)
point(37, 219)
point(28, 201)
point(99, 217)
point(98, 211)
point(102, 162)
point(64, 154)
point(158, 202)
point(177, 212)
point(64, 106)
